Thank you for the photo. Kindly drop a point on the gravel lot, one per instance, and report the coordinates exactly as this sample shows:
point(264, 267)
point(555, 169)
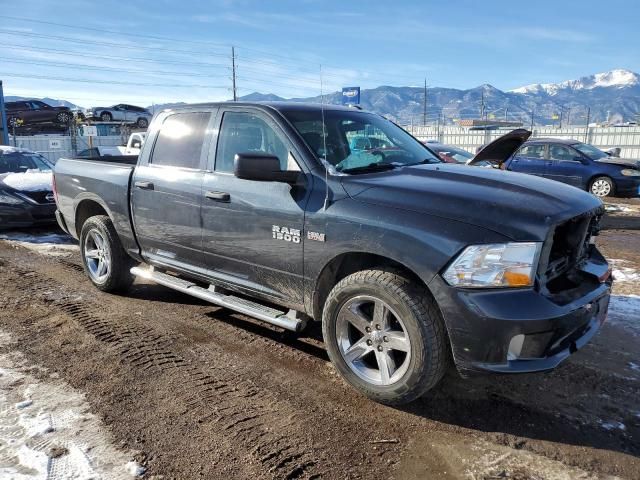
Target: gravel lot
point(189, 390)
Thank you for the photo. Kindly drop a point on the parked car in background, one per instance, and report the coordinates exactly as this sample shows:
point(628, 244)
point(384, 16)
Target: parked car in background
point(121, 113)
point(32, 112)
point(26, 194)
point(100, 151)
point(578, 164)
point(449, 153)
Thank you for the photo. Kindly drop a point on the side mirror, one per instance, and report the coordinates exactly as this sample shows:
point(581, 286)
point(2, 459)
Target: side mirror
point(262, 167)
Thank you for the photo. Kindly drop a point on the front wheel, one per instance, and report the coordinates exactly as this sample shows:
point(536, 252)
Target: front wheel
point(63, 117)
point(105, 262)
point(601, 186)
point(385, 336)
point(142, 123)
point(106, 117)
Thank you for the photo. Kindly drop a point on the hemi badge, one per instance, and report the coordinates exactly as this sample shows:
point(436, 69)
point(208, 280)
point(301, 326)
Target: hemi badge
point(318, 237)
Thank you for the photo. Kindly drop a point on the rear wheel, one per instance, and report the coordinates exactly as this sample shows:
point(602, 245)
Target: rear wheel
point(105, 262)
point(385, 336)
point(106, 117)
point(63, 117)
point(142, 123)
point(601, 186)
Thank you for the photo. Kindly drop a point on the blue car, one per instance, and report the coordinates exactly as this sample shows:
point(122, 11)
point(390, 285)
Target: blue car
point(578, 164)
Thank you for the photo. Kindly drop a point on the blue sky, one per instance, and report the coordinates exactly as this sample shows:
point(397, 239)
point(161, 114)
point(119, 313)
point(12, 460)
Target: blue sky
point(161, 51)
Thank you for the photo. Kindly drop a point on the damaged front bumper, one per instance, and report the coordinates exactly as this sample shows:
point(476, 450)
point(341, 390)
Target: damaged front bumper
point(523, 330)
point(26, 215)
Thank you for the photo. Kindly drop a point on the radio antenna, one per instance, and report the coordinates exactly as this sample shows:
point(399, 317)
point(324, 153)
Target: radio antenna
point(324, 145)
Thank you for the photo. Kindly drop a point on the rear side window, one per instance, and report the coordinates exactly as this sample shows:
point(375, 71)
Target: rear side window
point(559, 152)
point(532, 151)
point(180, 140)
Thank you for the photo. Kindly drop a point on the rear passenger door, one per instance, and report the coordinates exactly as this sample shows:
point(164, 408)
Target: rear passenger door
point(167, 190)
point(530, 159)
point(564, 165)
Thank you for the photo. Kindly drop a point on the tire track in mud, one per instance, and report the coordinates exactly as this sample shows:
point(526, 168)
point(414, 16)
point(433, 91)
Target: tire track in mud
point(218, 396)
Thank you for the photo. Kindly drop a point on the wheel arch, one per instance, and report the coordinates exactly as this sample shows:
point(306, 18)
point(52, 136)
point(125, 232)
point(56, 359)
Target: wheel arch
point(87, 208)
point(347, 263)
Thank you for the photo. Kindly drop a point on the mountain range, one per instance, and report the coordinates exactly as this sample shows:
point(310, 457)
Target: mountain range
point(612, 96)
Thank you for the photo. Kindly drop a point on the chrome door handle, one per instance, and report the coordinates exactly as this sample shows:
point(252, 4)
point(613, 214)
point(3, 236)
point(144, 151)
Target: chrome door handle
point(144, 185)
point(218, 196)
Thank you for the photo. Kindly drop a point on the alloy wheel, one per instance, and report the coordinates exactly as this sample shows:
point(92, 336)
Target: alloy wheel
point(97, 256)
point(373, 340)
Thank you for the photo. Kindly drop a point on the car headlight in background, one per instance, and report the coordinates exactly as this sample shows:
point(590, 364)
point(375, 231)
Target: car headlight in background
point(630, 172)
point(6, 199)
point(495, 265)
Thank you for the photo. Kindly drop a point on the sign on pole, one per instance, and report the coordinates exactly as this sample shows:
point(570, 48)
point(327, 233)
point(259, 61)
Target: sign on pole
point(89, 131)
point(4, 133)
point(351, 95)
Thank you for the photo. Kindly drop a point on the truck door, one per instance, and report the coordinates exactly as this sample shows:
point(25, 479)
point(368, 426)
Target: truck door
point(253, 231)
point(167, 190)
point(530, 159)
point(564, 165)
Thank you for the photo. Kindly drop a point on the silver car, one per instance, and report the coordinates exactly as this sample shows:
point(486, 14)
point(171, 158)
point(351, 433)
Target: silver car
point(121, 113)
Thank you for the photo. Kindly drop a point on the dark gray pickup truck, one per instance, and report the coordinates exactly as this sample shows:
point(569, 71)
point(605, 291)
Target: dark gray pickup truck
point(283, 212)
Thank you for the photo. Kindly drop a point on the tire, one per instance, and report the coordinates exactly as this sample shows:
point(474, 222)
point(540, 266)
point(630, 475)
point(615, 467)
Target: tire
point(63, 117)
point(106, 117)
point(411, 315)
point(601, 186)
point(100, 246)
point(142, 123)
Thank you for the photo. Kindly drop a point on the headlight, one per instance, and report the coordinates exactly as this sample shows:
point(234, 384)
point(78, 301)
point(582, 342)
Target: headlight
point(495, 265)
point(9, 200)
point(630, 172)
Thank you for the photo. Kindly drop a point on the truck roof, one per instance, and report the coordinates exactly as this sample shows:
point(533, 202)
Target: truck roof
point(279, 106)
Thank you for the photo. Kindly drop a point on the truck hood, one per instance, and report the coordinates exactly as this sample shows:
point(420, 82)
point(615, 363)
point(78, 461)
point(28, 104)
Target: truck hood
point(519, 206)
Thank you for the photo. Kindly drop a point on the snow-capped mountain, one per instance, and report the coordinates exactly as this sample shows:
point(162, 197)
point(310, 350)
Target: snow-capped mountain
point(618, 78)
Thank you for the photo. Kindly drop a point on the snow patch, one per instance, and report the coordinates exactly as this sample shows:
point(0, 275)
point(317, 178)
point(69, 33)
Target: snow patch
point(623, 271)
point(613, 425)
point(619, 78)
point(36, 181)
point(624, 310)
point(46, 243)
point(51, 435)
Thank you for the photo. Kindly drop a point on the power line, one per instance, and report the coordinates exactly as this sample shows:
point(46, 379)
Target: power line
point(110, 82)
point(109, 69)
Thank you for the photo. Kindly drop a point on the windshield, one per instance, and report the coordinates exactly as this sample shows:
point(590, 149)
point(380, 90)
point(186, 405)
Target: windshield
point(451, 154)
point(20, 162)
point(355, 140)
point(590, 151)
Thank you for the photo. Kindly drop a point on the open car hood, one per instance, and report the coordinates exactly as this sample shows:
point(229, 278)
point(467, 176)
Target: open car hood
point(501, 149)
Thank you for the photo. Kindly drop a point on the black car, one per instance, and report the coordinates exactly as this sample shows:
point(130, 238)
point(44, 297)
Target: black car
point(26, 194)
point(31, 112)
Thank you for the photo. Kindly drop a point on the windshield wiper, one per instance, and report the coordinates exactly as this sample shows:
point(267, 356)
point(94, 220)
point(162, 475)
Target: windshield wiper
point(372, 167)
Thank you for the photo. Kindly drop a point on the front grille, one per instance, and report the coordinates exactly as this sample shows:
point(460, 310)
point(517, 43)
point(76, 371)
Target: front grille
point(42, 198)
point(569, 244)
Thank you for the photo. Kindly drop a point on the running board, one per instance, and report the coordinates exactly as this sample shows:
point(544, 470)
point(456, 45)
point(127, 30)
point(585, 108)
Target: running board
point(289, 321)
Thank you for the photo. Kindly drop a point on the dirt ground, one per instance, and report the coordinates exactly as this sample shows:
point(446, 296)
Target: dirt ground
point(196, 391)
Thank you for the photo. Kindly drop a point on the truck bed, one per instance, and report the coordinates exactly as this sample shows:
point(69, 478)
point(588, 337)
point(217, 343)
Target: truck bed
point(83, 183)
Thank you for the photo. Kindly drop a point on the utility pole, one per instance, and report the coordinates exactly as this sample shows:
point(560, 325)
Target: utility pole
point(482, 106)
point(4, 139)
point(532, 115)
point(233, 72)
point(506, 111)
point(424, 111)
point(586, 134)
point(568, 116)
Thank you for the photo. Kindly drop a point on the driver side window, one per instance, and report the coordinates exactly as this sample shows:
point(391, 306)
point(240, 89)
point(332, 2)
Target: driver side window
point(243, 132)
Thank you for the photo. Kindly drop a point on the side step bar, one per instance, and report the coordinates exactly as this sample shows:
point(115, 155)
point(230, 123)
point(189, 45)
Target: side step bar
point(289, 321)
